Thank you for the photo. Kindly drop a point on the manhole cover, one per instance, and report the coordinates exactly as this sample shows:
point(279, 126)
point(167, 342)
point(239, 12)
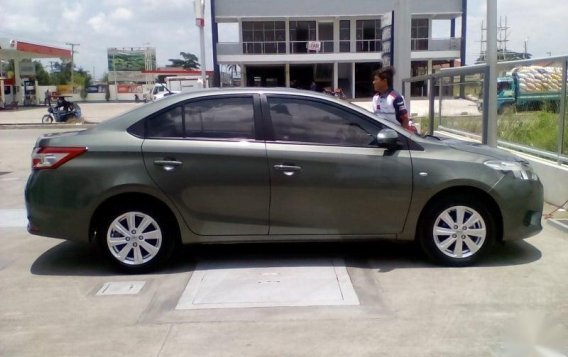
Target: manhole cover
point(121, 288)
point(268, 283)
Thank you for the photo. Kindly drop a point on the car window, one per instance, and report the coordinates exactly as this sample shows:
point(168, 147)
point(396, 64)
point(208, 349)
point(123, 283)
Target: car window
point(308, 121)
point(168, 124)
point(225, 117)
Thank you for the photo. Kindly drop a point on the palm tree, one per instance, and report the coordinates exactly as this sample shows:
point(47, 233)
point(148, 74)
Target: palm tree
point(189, 61)
point(233, 69)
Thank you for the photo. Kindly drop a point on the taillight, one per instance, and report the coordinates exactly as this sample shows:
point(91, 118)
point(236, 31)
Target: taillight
point(53, 157)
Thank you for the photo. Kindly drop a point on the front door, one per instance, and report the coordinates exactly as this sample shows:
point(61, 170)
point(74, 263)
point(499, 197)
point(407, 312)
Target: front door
point(327, 174)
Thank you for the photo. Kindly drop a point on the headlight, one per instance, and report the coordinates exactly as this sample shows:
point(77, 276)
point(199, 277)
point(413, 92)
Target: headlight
point(516, 168)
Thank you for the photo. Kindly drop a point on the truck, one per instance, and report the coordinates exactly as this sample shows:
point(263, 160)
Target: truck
point(174, 85)
point(528, 88)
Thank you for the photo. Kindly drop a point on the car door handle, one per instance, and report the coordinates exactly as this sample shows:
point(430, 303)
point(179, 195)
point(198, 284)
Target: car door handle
point(168, 165)
point(288, 170)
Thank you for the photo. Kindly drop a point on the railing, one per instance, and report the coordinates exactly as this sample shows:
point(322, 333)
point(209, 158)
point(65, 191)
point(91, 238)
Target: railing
point(368, 45)
point(267, 47)
point(279, 47)
point(527, 120)
point(302, 47)
point(435, 44)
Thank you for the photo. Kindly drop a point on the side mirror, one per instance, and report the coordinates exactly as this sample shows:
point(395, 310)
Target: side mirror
point(387, 138)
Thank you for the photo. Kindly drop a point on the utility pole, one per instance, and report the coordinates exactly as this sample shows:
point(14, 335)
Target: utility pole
point(199, 7)
point(72, 55)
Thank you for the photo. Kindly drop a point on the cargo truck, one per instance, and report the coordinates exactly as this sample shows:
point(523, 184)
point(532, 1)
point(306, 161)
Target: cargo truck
point(528, 88)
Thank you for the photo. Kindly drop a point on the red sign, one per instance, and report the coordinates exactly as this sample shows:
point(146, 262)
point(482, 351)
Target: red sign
point(129, 88)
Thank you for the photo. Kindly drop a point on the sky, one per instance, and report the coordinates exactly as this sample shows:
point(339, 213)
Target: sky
point(169, 26)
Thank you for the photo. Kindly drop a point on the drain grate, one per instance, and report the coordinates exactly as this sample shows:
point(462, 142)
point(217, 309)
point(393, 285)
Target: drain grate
point(121, 288)
point(4, 173)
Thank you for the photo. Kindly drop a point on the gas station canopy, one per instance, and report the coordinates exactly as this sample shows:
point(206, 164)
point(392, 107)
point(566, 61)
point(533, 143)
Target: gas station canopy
point(18, 50)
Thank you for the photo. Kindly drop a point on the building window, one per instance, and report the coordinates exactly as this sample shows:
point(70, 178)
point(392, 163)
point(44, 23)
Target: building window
point(325, 36)
point(301, 32)
point(264, 37)
point(345, 36)
point(419, 34)
point(369, 36)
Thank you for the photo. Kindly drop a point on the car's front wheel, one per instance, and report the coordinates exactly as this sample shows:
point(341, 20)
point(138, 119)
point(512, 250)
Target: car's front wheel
point(457, 231)
point(137, 239)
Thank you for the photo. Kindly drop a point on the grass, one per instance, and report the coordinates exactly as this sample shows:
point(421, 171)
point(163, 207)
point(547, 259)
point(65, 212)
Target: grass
point(538, 130)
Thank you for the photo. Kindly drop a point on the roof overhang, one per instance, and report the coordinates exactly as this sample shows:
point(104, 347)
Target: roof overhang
point(18, 50)
point(176, 72)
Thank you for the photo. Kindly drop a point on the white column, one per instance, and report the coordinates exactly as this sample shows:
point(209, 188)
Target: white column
point(492, 78)
point(352, 79)
point(430, 83)
point(243, 76)
point(402, 53)
point(287, 74)
point(2, 101)
point(335, 75)
point(18, 96)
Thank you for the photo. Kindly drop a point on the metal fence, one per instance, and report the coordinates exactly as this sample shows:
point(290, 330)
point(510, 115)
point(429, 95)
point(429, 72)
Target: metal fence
point(531, 102)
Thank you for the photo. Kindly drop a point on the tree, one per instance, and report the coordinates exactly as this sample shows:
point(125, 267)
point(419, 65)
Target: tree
point(61, 73)
point(82, 80)
point(189, 61)
point(233, 70)
point(41, 74)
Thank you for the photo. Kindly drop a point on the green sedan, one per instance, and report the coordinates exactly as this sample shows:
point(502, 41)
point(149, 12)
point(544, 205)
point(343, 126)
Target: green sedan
point(258, 164)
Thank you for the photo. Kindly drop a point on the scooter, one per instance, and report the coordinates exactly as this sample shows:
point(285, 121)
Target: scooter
point(57, 115)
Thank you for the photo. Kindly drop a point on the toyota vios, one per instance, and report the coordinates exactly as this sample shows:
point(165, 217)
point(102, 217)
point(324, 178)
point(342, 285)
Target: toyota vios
point(258, 164)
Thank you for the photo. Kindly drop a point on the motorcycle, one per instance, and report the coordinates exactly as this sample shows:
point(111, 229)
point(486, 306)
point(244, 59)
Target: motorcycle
point(60, 115)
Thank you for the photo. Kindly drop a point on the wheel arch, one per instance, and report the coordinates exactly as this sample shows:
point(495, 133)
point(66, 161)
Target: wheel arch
point(470, 191)
point(132, 198)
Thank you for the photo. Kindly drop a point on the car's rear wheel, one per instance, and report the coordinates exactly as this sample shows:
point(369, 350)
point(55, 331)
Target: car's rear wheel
point(137, 239)
point(457, 231)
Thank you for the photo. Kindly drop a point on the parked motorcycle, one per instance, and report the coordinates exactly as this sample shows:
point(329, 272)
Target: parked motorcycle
point(69, 113)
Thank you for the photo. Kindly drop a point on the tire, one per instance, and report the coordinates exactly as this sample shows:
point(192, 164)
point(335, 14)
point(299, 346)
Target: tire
point(507, 109)
point(457, 231)
point(47, 119)
point(74, 120)
point(132, 250)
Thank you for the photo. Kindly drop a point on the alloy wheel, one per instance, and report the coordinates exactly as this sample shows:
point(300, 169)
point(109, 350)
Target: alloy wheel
point(459, 232)
point(134, 238)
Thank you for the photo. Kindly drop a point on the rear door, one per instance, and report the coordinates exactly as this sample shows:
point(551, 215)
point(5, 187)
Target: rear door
point(328, 176)
point(204, 155)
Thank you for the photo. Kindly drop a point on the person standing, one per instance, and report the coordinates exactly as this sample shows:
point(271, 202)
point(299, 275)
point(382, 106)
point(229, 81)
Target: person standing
point(388, 103)
point(47, 100)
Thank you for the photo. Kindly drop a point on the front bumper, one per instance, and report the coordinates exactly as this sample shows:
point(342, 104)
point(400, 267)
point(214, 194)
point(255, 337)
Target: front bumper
point(521, 203)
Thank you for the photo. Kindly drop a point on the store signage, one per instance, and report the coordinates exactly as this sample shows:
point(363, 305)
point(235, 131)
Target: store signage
point(314, 46)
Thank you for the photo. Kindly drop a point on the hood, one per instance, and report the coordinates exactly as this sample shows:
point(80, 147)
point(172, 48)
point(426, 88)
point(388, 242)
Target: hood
point(481, 149)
